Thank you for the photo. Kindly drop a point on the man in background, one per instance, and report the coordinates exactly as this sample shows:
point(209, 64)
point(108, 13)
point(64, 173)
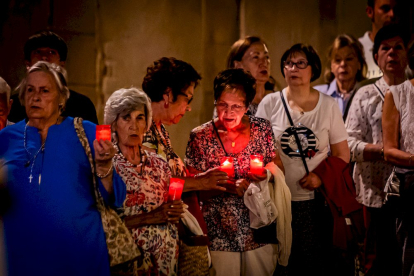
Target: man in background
point(48, 46)
point(381, 13)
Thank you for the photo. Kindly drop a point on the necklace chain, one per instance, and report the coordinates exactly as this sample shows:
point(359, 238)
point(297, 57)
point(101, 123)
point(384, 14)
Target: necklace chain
point(42, 147)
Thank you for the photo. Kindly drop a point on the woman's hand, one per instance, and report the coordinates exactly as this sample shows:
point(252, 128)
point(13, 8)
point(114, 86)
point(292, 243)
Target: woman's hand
point(104, 151)
point(310, 181)
point(239, 187)
point(258, 177)
point(211, 179)
point(167, 212)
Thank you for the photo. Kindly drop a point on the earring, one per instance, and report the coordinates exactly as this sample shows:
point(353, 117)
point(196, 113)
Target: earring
point(166, 104)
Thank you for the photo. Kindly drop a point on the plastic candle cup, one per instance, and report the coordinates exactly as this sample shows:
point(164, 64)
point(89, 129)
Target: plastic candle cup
point(176, 189)
point(256, 164)
point(227, 165)
point(103, 132)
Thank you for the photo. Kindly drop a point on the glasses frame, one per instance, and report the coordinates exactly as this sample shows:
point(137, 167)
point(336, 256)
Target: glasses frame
point(295, 64)
point(232, 107)
point(185, 95)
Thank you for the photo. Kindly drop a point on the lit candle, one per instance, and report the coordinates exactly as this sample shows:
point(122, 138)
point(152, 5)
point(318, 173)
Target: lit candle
point(256, 164)
point(227, 165)
point(176, 189)
point(103, 132)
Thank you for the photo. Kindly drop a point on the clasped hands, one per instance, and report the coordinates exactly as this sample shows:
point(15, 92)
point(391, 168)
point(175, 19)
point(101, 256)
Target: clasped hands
point(214, 179)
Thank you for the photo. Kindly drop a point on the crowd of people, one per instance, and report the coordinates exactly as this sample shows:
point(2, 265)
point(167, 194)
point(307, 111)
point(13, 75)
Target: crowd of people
point(329, 154)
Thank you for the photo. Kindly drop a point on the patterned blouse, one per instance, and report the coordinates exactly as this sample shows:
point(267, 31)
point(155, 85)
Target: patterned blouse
point(226, 215)
point(363, 125)
point(145, 192)
point(161, 143)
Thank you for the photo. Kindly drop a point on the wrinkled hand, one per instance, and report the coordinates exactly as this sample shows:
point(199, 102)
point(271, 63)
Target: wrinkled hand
point(169, 212)
point(310, 182)
point(212, 179)
point(258, 177)
point(239, 187)
point(104, 151)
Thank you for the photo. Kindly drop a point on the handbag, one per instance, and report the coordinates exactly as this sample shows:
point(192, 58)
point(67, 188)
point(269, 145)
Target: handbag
point(392, 187)
point(121, 245)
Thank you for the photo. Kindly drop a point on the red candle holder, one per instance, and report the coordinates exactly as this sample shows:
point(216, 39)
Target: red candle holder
point(103, 132)
point(227, 165)
point(176, 189)
point(256, 164)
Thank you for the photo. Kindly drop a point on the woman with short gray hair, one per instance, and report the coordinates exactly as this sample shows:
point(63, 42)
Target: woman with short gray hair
point(146, 175)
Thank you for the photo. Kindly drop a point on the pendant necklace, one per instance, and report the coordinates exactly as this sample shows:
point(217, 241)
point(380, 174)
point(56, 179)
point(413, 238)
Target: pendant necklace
point(32, 159)
point(233, 141)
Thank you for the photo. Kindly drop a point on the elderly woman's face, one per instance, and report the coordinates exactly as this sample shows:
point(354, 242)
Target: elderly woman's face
point(392, 56)
point(231, 107)
point(345, 64)
point(295, 76)
point(131, 127)
point(176, 110)
point(256, 60)
point(42, 97)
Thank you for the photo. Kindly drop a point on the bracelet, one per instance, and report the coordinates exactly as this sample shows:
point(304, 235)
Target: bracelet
point(104, 175)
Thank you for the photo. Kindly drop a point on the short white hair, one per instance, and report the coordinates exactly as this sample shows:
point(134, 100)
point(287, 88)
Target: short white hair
point(127, 100)
point(59, 76)
point(5, 88)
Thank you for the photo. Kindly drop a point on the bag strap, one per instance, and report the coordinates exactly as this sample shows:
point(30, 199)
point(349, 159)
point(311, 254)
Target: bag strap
point(80, 131)
point(218, 136)
point(379, 90)
point(295, 133)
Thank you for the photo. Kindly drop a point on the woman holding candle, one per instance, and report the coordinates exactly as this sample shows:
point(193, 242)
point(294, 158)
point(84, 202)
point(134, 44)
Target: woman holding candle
point(146, 175)
point(233, 136)
point(318, 122)
point(53, 226)
point(170, 84)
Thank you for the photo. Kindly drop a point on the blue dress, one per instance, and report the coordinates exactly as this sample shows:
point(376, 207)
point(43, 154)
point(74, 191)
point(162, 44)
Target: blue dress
point(53, 226)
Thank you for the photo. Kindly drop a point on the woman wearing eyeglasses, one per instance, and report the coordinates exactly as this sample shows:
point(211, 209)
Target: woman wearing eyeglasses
point(170, 84)
point(234, 250)
point(319, 125)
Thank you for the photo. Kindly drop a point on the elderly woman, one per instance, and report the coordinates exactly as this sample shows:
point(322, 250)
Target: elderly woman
point(146, 175)
point(234, 134)
point(170, 84)
point(397, 123)
point(366, 144)
point(318, 122)
point(5, 103)
point(53, 226)
point(251, 55)
point(346, 66)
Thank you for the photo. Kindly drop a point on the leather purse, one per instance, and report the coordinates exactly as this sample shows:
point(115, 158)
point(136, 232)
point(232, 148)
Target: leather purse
point(121, 246)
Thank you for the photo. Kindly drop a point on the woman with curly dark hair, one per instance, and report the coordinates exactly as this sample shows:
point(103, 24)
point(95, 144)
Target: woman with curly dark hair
point(170, 84)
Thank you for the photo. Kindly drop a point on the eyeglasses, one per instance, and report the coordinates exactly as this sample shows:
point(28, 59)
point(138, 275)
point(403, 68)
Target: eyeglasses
point(301, 64)
point(189, 100)
point(233, 108)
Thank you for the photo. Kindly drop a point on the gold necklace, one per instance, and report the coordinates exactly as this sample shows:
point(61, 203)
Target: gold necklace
point(233, 141)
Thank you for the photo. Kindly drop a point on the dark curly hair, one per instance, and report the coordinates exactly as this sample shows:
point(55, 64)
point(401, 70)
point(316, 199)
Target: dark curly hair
point(235, 78)
point(313, 59)
point(45, 39)
point(170, 73)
